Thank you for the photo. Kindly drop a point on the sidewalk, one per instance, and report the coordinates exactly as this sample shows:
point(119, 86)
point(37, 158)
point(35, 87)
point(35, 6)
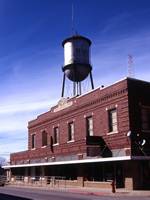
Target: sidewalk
point(92, 191)
point(107, 192)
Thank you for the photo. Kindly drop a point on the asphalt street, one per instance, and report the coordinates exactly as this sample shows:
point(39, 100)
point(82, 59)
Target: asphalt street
point(16, 193)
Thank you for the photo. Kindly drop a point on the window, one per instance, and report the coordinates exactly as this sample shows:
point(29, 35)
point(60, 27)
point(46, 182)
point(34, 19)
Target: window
point(71, 131)
point(112, 114)
point(89, 126)
point(56, 135)
point(33, 141)
point(145, 112)
point(44, 138)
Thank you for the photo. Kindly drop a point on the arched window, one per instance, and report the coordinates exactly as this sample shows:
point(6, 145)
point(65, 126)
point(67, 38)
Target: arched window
point(44, 138)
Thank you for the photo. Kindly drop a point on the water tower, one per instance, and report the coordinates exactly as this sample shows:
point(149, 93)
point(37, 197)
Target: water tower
point(77, 65)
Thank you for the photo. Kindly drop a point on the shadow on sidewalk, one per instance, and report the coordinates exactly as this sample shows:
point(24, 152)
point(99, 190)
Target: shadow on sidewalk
point(10, 197)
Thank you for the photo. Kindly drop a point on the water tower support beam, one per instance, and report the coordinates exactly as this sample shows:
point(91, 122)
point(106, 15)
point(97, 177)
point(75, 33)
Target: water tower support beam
point(80, 91)
point(91, 77)
point(63, 86)
point(74, 88)
point(77, 88)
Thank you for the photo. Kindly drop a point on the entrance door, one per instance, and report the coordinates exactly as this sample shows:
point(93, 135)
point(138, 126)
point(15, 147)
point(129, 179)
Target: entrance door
point(145, 165)
point(119, 176)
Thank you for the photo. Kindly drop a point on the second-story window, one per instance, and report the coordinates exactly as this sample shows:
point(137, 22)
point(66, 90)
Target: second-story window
point(71, 131)
point(56, 135)
point(44, 138)
point(33, 141)
point(112, 117)
point(145, 115)
point(89, 126)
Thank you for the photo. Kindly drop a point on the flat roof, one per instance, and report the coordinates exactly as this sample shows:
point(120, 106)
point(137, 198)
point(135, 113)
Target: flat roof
point(92, 160)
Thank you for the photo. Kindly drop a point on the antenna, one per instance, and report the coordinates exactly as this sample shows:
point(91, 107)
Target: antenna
point(130, 66)
point(72, 19)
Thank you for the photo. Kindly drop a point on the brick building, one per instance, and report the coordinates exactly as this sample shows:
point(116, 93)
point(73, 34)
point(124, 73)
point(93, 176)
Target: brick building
point(96, 137)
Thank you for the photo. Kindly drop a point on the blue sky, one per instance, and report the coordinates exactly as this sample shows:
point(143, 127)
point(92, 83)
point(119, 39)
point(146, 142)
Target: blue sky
point(31, 55)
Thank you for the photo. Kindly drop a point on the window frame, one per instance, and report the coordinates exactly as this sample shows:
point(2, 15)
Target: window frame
point(145, 118)
point(33, 141)
point(70, 132)
point(44, 138)
point(88, 129)
point(56, 135)
point(111, 124)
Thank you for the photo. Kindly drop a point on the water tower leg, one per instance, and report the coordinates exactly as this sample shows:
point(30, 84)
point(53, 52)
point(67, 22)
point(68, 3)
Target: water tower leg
point(80, 91)
point(92, 84)
point(77, 88)
point(63, 86)
point(74, 88)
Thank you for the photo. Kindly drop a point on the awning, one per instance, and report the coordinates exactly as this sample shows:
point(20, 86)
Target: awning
point(93, 160)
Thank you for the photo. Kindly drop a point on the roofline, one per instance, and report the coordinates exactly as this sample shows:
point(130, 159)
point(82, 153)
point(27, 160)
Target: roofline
point(109, 85)
point(88, 92)
point(93, 160)
point(102, 88)
point(135, 79)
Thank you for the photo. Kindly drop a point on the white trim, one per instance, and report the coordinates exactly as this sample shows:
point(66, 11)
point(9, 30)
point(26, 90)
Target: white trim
point(56, 144)
point(93, 160)
point(111, 133)
point(69, 141)
point(44, 146)
point(32, 149)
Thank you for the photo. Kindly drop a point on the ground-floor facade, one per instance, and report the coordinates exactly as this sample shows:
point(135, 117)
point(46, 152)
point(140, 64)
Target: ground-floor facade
point(129, 174)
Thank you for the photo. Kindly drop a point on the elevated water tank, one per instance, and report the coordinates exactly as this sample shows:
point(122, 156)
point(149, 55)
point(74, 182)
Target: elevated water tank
point(76, 58)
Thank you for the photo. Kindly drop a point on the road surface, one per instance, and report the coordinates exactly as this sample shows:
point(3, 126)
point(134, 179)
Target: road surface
point(22, 193)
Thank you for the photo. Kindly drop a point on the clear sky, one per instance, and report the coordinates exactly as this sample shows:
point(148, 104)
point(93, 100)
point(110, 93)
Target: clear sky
point(31, 55)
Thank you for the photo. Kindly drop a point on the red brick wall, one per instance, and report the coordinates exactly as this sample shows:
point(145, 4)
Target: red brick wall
point(138, 97)
point(96, 103)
